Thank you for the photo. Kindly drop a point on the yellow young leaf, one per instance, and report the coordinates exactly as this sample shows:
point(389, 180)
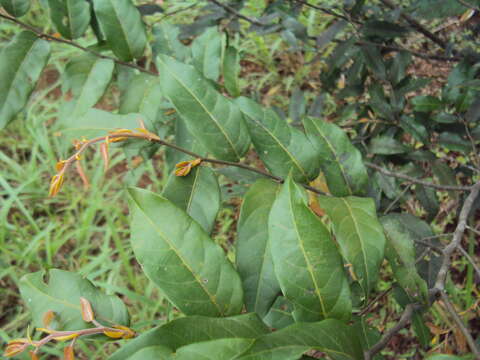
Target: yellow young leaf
point(55, 185)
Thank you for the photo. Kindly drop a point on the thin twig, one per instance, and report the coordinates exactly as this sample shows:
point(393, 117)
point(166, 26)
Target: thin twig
point(466, 333)
point(470, 6)
point(417, 26)
point(236, 13)
point(457, 237)
point(418, 181)
point(43, 35)
point(470, 260)
point(324, 10)
point(121, 134)
point(402, 323)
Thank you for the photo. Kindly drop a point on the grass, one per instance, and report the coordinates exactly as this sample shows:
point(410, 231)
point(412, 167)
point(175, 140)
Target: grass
point(87, 230)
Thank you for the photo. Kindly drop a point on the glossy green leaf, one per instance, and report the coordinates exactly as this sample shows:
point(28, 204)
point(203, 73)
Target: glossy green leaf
point(94, 123)
point(152, 353)
point(426, 103)
point(253, 256)
point(231, 71)
point(16, 8)
point(167, 43)
point(214, 120)
point(122, 26)
point(359, 235)
point(194, 329)
point(368, 336)
point(21, 63)
point(86, 77)
point(386, 145)
point(330, 336)
point(400, 252)
point(180, 258)
point(384, 29)
point(340, 161)
point(374, 60)
point(280, 314)
point(141, 96)
point(61, 294)
point(207, 52)
point(224, 349)
point(198, 194)
point(185, 140)
point(419, 326)
point(281, 147)
point(307, 263)
point(443, 357)
point(70, 17)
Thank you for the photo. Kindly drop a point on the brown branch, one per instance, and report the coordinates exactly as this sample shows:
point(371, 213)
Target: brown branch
point(457, 237)
point(468, 5)
point(145, 135)
point(418, 181)
point(417, 26)
point(236, 13)
point(402, 323)
point(466, 333)
point(324, 10)
point(43, 35)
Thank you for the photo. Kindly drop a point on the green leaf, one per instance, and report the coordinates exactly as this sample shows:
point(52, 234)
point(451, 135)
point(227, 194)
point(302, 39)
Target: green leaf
point(198, 194)
point(368, 336)
point(307, 263)
point(426, 103)
point(374, 60)
point(122, 25)
point(207, 52)
point(443, 357)
point(185, 140)
point(281, 147)
point(194, 329)
point(383, 29)
point(224, 349)
point(178, 256)
point(21, 63)
point(87, 77)
point(231, 71)
point(359, 235)
point(330, 336)
point(340, 161)
point(94, 123)
point(70, 17)
point(280, 314)
point(386, 145)
point(16, 8)
point(455, 142)
point(167, 43)
point(152, 353)
point(141, 96)
point(61, 294)
point(214, 120)
point(253, 256)
point(400, 252)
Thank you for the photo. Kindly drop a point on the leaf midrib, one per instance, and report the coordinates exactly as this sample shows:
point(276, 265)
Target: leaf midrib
point(277, 140)
point(210, 115)
point(168, 241)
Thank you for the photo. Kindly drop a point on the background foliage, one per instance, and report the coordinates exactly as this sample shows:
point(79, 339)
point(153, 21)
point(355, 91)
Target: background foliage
point(335, 201)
